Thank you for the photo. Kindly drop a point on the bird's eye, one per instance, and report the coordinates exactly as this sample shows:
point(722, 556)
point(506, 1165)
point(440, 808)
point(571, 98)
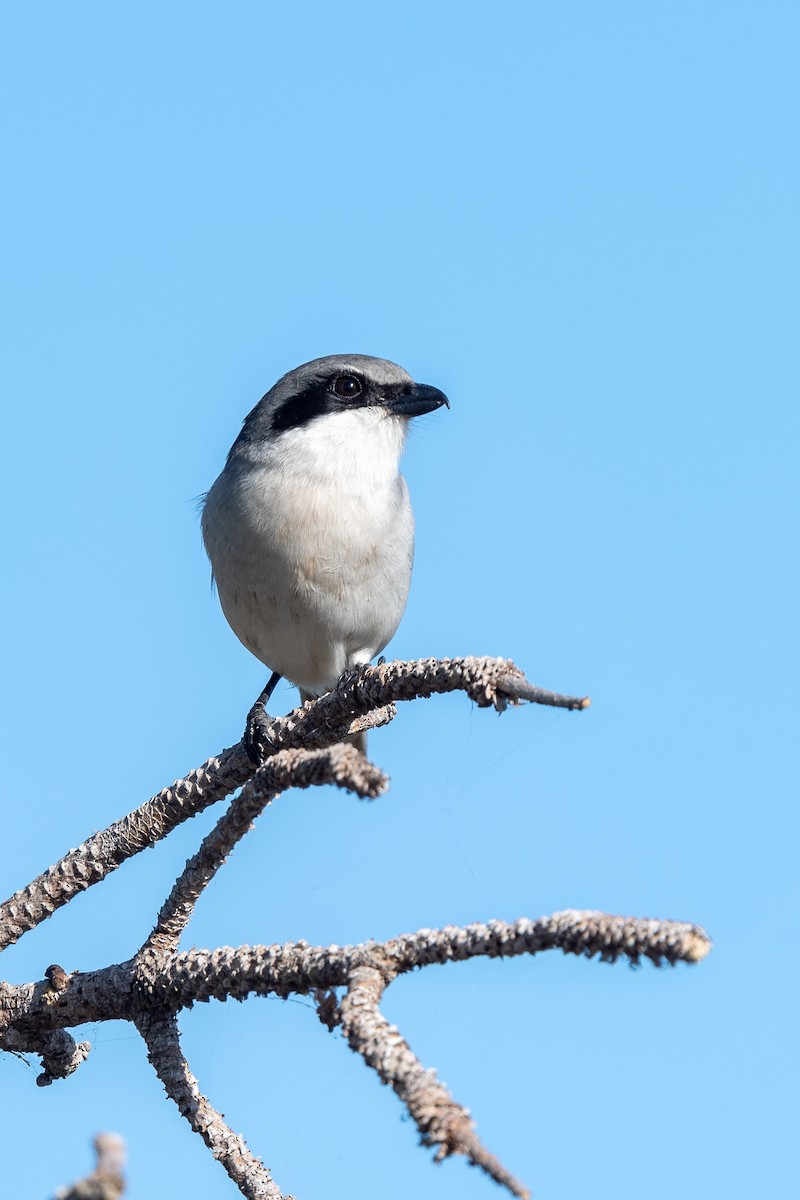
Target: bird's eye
point(347, 386)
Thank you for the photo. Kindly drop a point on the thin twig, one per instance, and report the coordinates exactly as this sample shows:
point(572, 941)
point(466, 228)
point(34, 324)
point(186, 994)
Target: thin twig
point(520, 689)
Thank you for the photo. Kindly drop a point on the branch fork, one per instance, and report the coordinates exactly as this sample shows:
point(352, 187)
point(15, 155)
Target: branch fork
point(300, 750)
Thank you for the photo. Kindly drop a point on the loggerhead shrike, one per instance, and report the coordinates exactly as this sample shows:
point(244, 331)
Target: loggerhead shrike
point(309, 527)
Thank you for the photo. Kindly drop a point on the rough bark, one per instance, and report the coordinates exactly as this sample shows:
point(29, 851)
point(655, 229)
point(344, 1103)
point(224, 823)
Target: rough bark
point(159, 981)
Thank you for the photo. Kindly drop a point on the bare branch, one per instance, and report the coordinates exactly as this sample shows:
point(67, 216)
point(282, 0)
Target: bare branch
point(102, 853)
point(341, 765)
point(61, 1055)
point(440, 1120)
point(198, 975)
point(361, 700)
point(489, 682)
point(31, 1010)
point(573, 931)
point(164, 1052)
point(518, 688)
point(299, 750)
point(114, 993)
point(107, 1181)
point(151, 998)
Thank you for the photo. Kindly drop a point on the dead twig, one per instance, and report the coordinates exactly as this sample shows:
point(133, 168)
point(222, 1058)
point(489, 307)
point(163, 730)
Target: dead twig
point(107, 1180)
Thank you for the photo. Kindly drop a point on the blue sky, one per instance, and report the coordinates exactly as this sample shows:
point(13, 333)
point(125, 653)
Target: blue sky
point(580, 221)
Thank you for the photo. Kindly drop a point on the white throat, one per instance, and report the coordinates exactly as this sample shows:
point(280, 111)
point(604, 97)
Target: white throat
point(365, 443)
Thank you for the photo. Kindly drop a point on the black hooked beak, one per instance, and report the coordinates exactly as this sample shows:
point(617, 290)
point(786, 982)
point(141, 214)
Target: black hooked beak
point(414, 399)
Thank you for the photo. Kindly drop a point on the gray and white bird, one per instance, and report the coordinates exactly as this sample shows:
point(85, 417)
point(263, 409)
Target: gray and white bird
point(309, 527)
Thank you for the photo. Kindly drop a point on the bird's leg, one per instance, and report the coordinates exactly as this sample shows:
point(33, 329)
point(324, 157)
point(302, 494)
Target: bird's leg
point(272, 683)
point(256, 733)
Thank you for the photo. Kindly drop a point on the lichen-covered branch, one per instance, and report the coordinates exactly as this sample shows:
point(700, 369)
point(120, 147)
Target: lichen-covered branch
point(164, 1052)
point(107, 1180)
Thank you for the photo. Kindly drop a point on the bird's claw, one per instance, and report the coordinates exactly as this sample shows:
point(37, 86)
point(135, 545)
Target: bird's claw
point(257, 740)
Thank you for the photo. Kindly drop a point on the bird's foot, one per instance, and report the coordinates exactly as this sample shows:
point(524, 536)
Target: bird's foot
point(257, 740)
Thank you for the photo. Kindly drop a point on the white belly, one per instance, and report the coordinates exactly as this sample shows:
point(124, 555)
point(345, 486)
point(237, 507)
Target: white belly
point(312, 580)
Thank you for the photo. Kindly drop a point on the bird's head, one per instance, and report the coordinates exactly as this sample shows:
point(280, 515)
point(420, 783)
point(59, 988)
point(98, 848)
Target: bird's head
point(341, 391)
